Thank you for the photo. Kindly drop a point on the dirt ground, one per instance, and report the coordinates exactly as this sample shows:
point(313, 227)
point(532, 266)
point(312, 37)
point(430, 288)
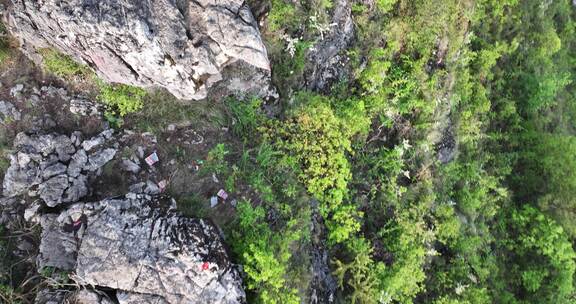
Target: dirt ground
point(181, 134)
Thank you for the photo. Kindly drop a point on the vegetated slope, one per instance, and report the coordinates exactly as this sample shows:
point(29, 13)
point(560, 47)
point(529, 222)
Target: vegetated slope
point(435, 166)
point(441, 163)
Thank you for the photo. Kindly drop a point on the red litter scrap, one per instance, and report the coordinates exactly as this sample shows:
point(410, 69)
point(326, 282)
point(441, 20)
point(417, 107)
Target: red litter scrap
point(205, 266)
point(162, 185)
point(222, 194)
point(152, 159)
point(77, 223)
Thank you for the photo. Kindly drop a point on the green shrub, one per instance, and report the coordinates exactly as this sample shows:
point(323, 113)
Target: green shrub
point(4, 44)
point(215, 162)
point(247, 117)
point(282, 15)
point(315, 137)
point(62, 65)
point(385, 6)
point(265, 255)
point(121, 99)
point(540, 261)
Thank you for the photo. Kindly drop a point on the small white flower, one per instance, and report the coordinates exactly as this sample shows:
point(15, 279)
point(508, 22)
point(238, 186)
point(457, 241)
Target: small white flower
point(432, 252)
point(406, 173)
point(291, 44)
point(406, 144)
point(460, 288)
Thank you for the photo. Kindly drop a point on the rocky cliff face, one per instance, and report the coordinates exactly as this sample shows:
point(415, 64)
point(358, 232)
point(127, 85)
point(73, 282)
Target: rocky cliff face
point(136, 247)
point(142, 249)
point(183, 46)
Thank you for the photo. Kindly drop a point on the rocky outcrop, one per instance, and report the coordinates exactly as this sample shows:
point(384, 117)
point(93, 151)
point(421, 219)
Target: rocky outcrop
point(181, 45)
point(327, 64)
point(55, 167)
point(143, 249)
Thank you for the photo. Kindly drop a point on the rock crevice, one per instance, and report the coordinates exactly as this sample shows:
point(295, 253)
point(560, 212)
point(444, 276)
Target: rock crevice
point(183, 46)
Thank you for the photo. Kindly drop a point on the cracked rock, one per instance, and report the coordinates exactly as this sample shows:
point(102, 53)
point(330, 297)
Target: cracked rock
point(58, 248)
point(53, 170)
point(77, 163)
point(51, 191)
point(83, 107)
point(98, 159)
point(183, 46)
point(130, 166)
point(8, 112)
point(143, 250)
point(49, 166)
point(145, 247)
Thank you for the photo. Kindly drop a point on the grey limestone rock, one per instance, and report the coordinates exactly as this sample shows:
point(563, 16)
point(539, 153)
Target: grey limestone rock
point(130, 166)
point(53, 170)
point(183, 46)
point(51, 167)
point(85, 296)
point(58, 248)
point(141, 248)
point(98, 159)
point(52, 190)
point(8, 112)
point(77, 163)
point(144, 246)
point(326, 61)
point(138, 298)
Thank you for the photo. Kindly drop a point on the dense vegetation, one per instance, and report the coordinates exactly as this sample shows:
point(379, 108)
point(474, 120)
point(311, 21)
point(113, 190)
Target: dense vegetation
point(493, 80)
point(490, 83)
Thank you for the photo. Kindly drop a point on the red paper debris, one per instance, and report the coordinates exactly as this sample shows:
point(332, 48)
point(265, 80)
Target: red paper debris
point(205, 266)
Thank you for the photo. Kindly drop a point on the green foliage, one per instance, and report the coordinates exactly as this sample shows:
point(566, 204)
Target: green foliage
point(360, 273)
point(540, 263)
point(4, 44)
point(62, 65)
point(215, 162)
point(315, 138)
point(247, 117)
point(547, 171)
point(121, 99)
point(265, 255)
point(290, 66)
point(283, 14)
point(385, 5)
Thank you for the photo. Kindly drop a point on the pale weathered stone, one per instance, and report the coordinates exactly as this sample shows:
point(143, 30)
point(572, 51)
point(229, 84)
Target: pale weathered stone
point(58, 248)
point(8, 112)
point(144, 246)
point(183, 46)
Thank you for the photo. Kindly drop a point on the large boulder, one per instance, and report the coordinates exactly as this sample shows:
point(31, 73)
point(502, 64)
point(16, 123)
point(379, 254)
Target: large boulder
point(181, 45)
point(141, 248)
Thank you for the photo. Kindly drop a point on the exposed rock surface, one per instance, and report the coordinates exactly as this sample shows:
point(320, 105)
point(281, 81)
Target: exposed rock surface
point(55, 167)
point(326, 63)
point(183, 45)
point(8, 112)
point(323, 285)
point(83, 296)
point(84, 107)
point(141, 247)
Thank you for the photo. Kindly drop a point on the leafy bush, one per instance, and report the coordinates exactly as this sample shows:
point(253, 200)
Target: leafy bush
point(265, 255)
point(62, 65)
point(315, 137)
point(215, 162)
point(122, 99)
point(540, 261)
point(547, 173)
point(247, 117)
point(282, 15)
